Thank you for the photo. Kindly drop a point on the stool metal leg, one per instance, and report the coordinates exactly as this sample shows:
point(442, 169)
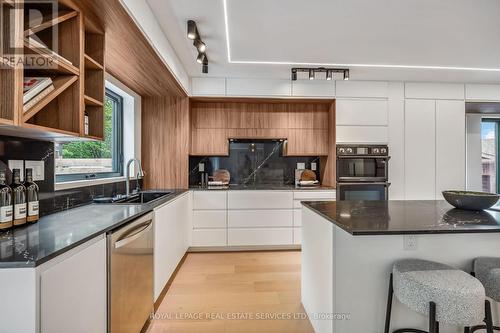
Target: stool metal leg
point(388, 310)
point(488, 320)
point(432, 317)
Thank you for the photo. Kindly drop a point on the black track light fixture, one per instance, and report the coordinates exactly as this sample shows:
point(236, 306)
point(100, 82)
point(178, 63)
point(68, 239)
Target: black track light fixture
point(192, 30)
point(312, 74)
point(330, 73)
point(200, 46)
point(194, 35)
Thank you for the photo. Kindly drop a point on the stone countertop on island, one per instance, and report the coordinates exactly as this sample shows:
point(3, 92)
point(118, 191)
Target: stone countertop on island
point(405, 217)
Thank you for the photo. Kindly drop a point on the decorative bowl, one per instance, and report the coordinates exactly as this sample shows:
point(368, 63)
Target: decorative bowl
point(471, 200)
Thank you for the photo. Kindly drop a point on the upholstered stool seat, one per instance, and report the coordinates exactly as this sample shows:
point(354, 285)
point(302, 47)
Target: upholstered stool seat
point(443, 293)
point(487, 271)
point(459, 297)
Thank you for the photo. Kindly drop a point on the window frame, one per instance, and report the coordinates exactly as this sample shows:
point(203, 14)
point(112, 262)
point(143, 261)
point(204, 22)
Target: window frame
point(118, 149)
point(496, 121)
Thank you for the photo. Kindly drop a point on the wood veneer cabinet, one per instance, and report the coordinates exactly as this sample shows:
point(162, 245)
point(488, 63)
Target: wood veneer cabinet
point(77, 72)
point(305, 123)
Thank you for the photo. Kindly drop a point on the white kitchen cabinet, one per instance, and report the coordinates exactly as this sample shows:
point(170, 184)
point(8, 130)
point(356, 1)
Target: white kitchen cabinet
point(209, 219)
point(362, 134)
point(210, 86)
point(210, 237)
point(209, 200)
point(260, 236)
point(172, 230)
point(297, 235)
point(482, 92)
point(434, 91)
point(260, 218)
point(258, 87)
point(260, 200)
point(450, 146)
point(364, 89)
point(73, 292)
point(361, 112)
point(420, 149)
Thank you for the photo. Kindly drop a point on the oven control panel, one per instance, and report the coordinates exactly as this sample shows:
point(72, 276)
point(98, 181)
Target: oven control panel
point(362, 150)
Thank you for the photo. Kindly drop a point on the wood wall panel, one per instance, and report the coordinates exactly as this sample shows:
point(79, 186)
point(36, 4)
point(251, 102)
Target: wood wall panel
point(307, 142)
point(209, 141)
point(308, 116)
point(329, 163)
point(165, 142)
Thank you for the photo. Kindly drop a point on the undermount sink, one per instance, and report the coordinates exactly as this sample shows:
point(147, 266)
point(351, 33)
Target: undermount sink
point(138, 198)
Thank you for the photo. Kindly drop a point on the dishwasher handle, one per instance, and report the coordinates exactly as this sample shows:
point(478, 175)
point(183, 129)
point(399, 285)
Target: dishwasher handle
point(132, 234)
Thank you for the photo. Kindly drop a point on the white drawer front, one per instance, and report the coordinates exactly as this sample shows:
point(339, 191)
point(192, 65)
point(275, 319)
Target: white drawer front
point(297, 217)
point(209, 200)
point(260, 218)
point(268, 236)
point(209, 219)
point(260, 200)
point(297, 236)
point(209, 237)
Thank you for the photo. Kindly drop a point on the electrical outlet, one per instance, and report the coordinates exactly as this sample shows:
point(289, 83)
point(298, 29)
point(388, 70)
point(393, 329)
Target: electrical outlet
point(301, 166)
point(410, 243)
point(17, 164)
point(314, 166)
point(201, 167)
point(38, 168)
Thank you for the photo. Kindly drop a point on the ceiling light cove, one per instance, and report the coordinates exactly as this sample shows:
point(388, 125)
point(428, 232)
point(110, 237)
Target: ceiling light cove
point(292, 63)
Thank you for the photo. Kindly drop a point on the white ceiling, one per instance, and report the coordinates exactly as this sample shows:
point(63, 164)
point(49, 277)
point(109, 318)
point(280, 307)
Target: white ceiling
point(421, 34)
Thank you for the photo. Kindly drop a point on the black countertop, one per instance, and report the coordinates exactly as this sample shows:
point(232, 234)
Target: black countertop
point(262, 187)
point(405, 217)
point(32, 245)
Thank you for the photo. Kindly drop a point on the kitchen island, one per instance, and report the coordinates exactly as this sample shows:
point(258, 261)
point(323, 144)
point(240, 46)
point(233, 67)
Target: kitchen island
point(348, 249)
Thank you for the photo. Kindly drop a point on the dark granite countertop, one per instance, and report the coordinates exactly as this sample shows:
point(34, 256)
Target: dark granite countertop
point(32, 245)
point(405, 217)
point(262, 187)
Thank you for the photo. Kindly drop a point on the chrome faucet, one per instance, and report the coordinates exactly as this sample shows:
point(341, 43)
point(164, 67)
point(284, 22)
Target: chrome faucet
point(140, 174)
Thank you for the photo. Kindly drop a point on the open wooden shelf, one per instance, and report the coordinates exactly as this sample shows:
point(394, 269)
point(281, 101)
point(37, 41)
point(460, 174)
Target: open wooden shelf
point(91, 64)
point(51, 63)
point(50, 129)
point(49, 21)
point(60, 83)
point(92, 101)
point(8, 2)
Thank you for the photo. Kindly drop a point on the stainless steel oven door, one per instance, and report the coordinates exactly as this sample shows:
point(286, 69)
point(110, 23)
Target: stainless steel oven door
point(363, 191)
point(362, 168)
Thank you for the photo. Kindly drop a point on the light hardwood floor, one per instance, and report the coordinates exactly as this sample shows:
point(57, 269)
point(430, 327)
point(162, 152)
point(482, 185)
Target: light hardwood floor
point(237, 290)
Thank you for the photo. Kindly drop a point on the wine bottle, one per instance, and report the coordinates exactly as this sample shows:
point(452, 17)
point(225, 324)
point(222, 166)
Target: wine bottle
point(5, 204)
point(19, 194)
point(32, 197)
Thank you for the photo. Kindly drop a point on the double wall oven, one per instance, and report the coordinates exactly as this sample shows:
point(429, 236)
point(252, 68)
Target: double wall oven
point(362, 172)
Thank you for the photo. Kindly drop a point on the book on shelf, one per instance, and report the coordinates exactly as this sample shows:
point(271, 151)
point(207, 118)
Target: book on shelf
point(33, 86)
point(34, 43)
point(38, 98)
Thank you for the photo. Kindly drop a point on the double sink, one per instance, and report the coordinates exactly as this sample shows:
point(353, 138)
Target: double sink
point(144, 197)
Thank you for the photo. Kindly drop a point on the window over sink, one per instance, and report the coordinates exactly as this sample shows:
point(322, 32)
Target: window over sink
point(86, 160)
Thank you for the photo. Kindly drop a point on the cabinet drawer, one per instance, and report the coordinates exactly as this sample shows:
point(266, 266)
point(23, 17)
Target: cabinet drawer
point(209, 200)
point(297, 236)
point(267, 236)
point(260, 200)
point(313, 195)
point(209, 219)
point(209, 237)
point(260, 218)
point(297, 217)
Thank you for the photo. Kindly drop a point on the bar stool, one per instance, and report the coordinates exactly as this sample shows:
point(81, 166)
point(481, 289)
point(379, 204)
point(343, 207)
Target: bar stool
point(487, 270)
point(443, 293)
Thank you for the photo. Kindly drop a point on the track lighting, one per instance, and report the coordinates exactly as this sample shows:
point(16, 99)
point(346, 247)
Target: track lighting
point(192, 30)
point(200, 45)
point(194, 35)
point(311, 74)
point(329, 73)
point(201, 58)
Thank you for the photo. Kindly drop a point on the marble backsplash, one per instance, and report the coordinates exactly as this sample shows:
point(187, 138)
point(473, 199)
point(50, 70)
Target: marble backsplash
point(253, 162)
point(52, 201)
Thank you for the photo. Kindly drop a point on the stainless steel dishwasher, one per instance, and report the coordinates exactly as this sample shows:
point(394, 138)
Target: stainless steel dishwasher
point(130, 276)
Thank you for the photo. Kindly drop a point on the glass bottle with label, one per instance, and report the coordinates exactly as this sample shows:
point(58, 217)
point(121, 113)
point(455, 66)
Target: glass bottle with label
point(5, 204)
point(19, 198)
point(32, 197)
